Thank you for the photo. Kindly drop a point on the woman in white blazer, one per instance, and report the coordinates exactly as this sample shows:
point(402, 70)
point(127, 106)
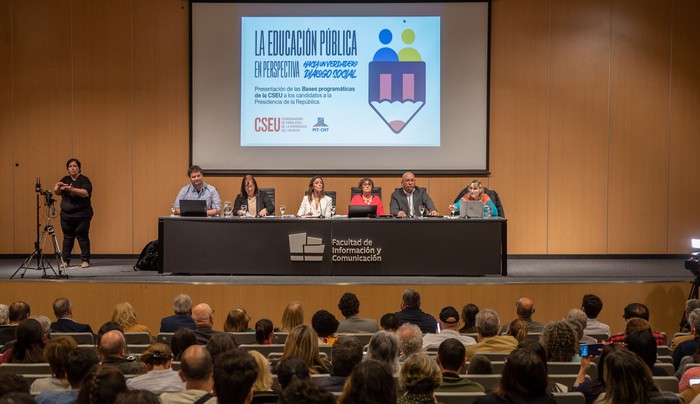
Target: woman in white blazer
point(315, 202)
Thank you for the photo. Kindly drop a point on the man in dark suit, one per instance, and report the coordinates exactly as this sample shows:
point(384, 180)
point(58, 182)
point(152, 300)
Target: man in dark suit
point(203, 317)
point(17, 312)
point(63, 310)
point(182, 305)
point(411, 312)
point(407, 200)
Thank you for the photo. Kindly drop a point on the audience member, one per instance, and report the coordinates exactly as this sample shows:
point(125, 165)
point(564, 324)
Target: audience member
point(3, 314)
point(292, 316)
point(198, 189)
point(487, 326)
point(371, 382)
point(78, 363)
point(449, 325)
point(479, 365)
point(125, 315)
point(688, 348)
point(345, 355)
point(419, 378)
point(45, 326)
point(264, 331)
point(302, 343)
point(113, 350)
point(181, 340)
point(592, 305)
point(384, 347)
point(196, 370)
point(16, 312)
point(636, 310)
point(450, 359)
point(643, 344)
point(235, 372)
point(517, 329)
point(407, 200)
point(389, 322)
point(469, 318)
point(17, 398)
point(12, 383)
point(28, 347)
point(101, 385)
point(349, 306)
point(591, 389)
point(537, 348)
point(105, 328)
point(137, 397)
point(578, 316)
point(690, 372)
point(524, 309)
point(690, 305)
point(263, 383)
point(291, 369)
point(410, 340)
point(63, 310)
point(203, 317)
point(237, 321)
point(182, 307)
point(524, 379)
point(560, 342)
point(220, 343)
point(629, 380)
point(307, 392)
point(325, 324)
point(411, 312)
point(160, 377)
point(56, 352)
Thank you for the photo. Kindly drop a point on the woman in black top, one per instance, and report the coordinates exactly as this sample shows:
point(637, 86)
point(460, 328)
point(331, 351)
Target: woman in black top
point(76, 211)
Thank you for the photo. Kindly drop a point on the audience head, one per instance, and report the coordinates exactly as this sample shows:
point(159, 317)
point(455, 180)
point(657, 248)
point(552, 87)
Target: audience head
point(346, 353)
point(235, 372)
point(263, 330)
point(607, 349)
point(524, 375)
point(449, 318)
point(292, 316)
point(56, 352)
point(181, 340)
point(694, 321)
point(3, 314)
point(302, 342)
point(124, 315)
point(18, 311)
point(410, 299)
point(479, 365)
point(62, 307)
point(469, 317)
point(559, 341)
point(237, 321)
point(248, 180)
point(324, 323)
point(636, 324)
point(389, 322)
point(137, 397)
point(29, 346)
point(451, 355)
point(408, 182)
point(690, 305)
point(157, 354)
point(591, 305)
point(420, 374)
point(349, 305)
point(518, 329)
point(106, 327)
point(307, 392)
point(203, 315)
point(536, 347)
point(196, 364)
point(17, 398)
point(101, 385)
point(182, 304)
point(636, 310)
point(290, 369)
point(384, 347)
point(487, 323)
point(264, 380)
point(525, 307)
point(627, 378)
point(78, 363)
point(12, 383)
point(410, 339)
point(45, 326)
point(643, 343)
point(577, 327)
point(113, 344)
point(579, 316)
point(371, 382)
point(220, 343)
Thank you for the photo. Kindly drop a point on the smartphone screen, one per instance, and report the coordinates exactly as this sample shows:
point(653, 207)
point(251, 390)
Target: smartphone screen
point(590, 349)
point(693, 382)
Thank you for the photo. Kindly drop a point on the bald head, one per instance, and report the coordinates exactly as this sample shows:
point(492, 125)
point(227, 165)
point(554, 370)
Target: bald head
point(525, 308)
point(196, 363)
point(201, 314)
point(113, 344)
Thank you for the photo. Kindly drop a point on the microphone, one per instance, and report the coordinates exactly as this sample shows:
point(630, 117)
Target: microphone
point(37, 186)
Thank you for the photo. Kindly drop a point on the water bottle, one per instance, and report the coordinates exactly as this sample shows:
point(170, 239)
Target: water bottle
point(487, 211)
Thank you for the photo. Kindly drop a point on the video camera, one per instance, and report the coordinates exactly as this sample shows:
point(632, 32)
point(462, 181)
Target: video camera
point(692, 264)
point(46, 193)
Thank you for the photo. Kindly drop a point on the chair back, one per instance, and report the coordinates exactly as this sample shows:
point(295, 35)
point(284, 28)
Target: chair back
point(488, 381)
point(165, 337)
point(265, 350)
point(599, 337)
point(457, 398)
point(271, 193)
point(42, 369)
point(137, 338)
point(666, 383)
point(376, 191)
point(242, 338)
point(362, 337)
point(496, 201)
point(494, 356)
point(663, 350)
point(569, 398)
point(81, 338)
point(571, 368)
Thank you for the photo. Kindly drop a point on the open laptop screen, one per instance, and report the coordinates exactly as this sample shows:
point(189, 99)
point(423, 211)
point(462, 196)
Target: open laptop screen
point(196, 207)
point(362, 210)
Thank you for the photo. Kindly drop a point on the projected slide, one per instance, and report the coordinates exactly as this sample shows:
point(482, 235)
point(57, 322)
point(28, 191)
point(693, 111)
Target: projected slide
point(340, 81)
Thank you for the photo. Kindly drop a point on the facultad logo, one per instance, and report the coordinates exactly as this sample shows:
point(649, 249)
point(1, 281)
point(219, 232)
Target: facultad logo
point(305, 248)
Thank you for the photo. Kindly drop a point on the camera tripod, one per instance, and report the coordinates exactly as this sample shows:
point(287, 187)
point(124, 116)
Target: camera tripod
point(42, 262)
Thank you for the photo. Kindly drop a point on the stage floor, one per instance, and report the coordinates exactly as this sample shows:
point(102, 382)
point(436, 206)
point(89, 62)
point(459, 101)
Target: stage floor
point(520, 271)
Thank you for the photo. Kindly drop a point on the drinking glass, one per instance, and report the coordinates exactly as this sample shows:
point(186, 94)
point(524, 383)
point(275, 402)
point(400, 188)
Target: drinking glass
point(172, 209)
point(244, 209)
point(228, 209)
point(453, 209)
point(283, 208)
point(332, 210)
point(421, 209)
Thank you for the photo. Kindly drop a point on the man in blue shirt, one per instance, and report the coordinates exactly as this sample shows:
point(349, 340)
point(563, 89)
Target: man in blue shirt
point(198, 189)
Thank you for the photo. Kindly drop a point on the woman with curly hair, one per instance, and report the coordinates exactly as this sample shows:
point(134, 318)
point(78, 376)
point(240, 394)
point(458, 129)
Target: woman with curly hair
point(560, 342)
point(125, 315)
point(419, 377)
point(302, 343)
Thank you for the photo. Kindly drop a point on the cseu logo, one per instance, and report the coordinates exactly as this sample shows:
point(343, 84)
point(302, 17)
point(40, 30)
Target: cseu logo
point(267, 124)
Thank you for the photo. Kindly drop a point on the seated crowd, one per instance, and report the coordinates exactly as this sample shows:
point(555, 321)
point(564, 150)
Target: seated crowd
point(409, 357)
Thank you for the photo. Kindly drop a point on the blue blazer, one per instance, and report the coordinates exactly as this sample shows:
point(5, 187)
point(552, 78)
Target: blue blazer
point(68, 325)
point(175, 322)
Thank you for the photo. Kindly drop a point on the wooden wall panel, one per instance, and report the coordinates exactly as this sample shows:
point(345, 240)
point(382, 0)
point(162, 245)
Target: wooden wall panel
point(94, 302)
point(684, 165)
point(639, 127)
point(578, 152)
point(103, 121)
point(519, 119)
point(7, 237)
point(43, 135)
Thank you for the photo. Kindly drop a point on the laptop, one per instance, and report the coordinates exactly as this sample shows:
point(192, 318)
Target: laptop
point(471, 209)
point(196, 207)
point(362, 210)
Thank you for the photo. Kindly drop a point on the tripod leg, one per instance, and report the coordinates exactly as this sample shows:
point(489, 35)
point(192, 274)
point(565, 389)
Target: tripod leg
point(57, 254)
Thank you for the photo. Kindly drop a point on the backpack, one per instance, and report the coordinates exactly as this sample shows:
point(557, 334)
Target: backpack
point(148, 259)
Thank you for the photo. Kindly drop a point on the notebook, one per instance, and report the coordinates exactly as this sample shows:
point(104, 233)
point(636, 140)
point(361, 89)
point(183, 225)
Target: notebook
point(471, 209)
point(196, 207)
point(362, 210)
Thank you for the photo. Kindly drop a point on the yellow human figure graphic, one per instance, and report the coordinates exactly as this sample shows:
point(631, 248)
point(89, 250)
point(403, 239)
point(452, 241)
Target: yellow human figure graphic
point(409, 54)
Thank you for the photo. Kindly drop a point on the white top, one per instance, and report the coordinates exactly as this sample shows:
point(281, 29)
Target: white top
point(434, 340)
point(595, 327)
point(323, 209)
point(157, 381)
